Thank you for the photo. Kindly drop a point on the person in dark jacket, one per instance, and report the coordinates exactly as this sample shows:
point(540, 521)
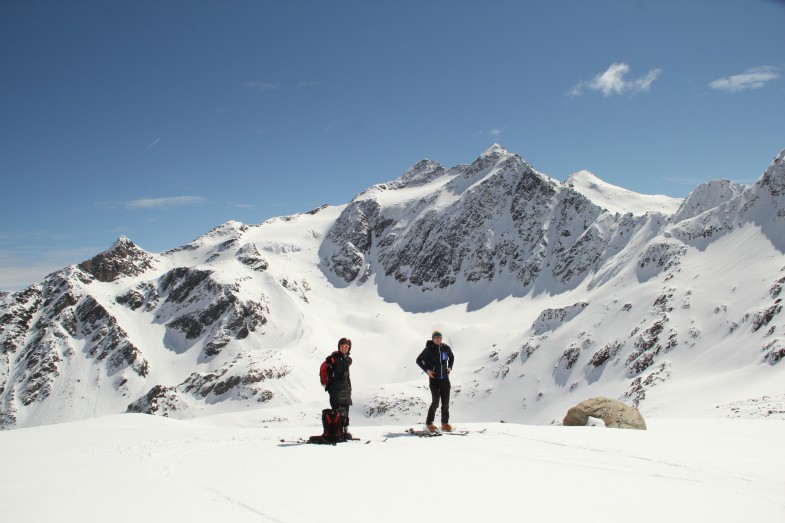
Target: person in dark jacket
point(437, 360)
point(338, 382)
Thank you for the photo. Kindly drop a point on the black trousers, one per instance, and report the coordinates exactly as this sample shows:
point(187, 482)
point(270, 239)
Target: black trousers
point(339, 404)
point(440, 391)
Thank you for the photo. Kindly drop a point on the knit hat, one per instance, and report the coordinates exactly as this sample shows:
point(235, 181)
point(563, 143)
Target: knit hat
point(435, 334)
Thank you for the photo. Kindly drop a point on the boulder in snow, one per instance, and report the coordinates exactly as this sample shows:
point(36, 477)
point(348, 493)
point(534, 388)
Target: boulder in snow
point(614, 413)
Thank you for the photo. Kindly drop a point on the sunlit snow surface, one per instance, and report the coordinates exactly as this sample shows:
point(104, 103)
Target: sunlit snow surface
point(234, 468)
point(712, 393)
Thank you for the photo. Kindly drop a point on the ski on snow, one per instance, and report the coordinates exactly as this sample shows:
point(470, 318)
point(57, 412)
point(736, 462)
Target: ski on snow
point(464, 432)
point(302, 441)
point(425, 433)
point(421, 433)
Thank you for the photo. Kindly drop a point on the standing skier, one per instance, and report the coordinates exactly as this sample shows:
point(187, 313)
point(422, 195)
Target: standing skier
point(437, 360)
point(335, 376)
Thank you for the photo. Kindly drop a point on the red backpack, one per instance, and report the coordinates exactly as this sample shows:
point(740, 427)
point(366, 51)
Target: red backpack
point(323, 371)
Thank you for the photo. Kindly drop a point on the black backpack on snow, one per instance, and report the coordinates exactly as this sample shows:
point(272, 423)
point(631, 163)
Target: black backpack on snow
point(332, 421)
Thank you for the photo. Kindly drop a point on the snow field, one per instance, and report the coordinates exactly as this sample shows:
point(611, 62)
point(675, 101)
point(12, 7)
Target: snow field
point(235, 468)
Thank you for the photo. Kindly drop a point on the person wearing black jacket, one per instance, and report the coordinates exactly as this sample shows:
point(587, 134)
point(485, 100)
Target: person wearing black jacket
point(437, 360)
point(338, 382)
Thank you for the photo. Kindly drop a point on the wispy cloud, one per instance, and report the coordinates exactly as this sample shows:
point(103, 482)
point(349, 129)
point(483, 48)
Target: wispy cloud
point(238, 205)
point(754, 78)
point(491, 132)
point(155, 142)
point(266, 87)
point(21, 268)
point(18, 277)
point(613, 81)
point(262, 87)
point(164, 203)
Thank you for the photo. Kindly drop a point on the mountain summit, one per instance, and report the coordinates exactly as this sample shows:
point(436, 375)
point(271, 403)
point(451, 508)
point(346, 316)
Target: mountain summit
point(549, 292)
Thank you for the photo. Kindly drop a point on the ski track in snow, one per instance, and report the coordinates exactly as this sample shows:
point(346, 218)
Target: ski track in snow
point(137, 467)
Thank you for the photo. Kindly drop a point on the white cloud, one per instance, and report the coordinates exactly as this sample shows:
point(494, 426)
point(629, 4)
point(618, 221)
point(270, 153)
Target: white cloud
point(754, 78)
point(613, 81)
point(164, 203)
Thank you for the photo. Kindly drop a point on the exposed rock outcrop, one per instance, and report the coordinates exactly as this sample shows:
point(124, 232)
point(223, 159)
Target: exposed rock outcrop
point(614, 413)
point(124, 258)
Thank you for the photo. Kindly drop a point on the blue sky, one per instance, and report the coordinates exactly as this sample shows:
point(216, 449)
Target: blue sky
point(159, 120)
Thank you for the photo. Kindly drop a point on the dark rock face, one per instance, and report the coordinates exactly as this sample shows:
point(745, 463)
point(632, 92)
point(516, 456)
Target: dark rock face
point(123, 259)
point(108, 340)
point(193, 304)
point(496, 218)
point(63, 322)
point(237, 380)
point(773, 180)
point(354, 233)
point(35, 353)
point(249, 256)
point(17, 316)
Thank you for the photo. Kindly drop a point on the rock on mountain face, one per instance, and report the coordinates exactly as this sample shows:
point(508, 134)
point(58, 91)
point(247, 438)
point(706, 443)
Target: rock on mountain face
point(496, 219)
point(122, 259)
point(83, 332)
point(594, 291)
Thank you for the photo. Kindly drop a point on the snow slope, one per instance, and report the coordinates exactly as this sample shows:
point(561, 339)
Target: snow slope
point(131, 468)
point(619, 200)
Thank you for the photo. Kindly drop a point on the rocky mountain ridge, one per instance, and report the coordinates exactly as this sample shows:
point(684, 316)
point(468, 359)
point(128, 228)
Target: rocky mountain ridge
point(590, 299)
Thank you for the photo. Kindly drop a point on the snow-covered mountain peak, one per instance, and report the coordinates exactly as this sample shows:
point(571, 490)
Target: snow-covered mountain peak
point(495, 162)
point(122, 259)
point(619, 200)
point(495, 150)
point(550, 292)
point(418, 174)
point(122, 242)
point(706, 196)
point(229, 228)
point(223, 234)
point(774, 177)
point(493, 155)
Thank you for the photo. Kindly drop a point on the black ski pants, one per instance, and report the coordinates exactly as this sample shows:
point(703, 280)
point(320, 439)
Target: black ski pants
point(440, 391)
point(339, 404)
